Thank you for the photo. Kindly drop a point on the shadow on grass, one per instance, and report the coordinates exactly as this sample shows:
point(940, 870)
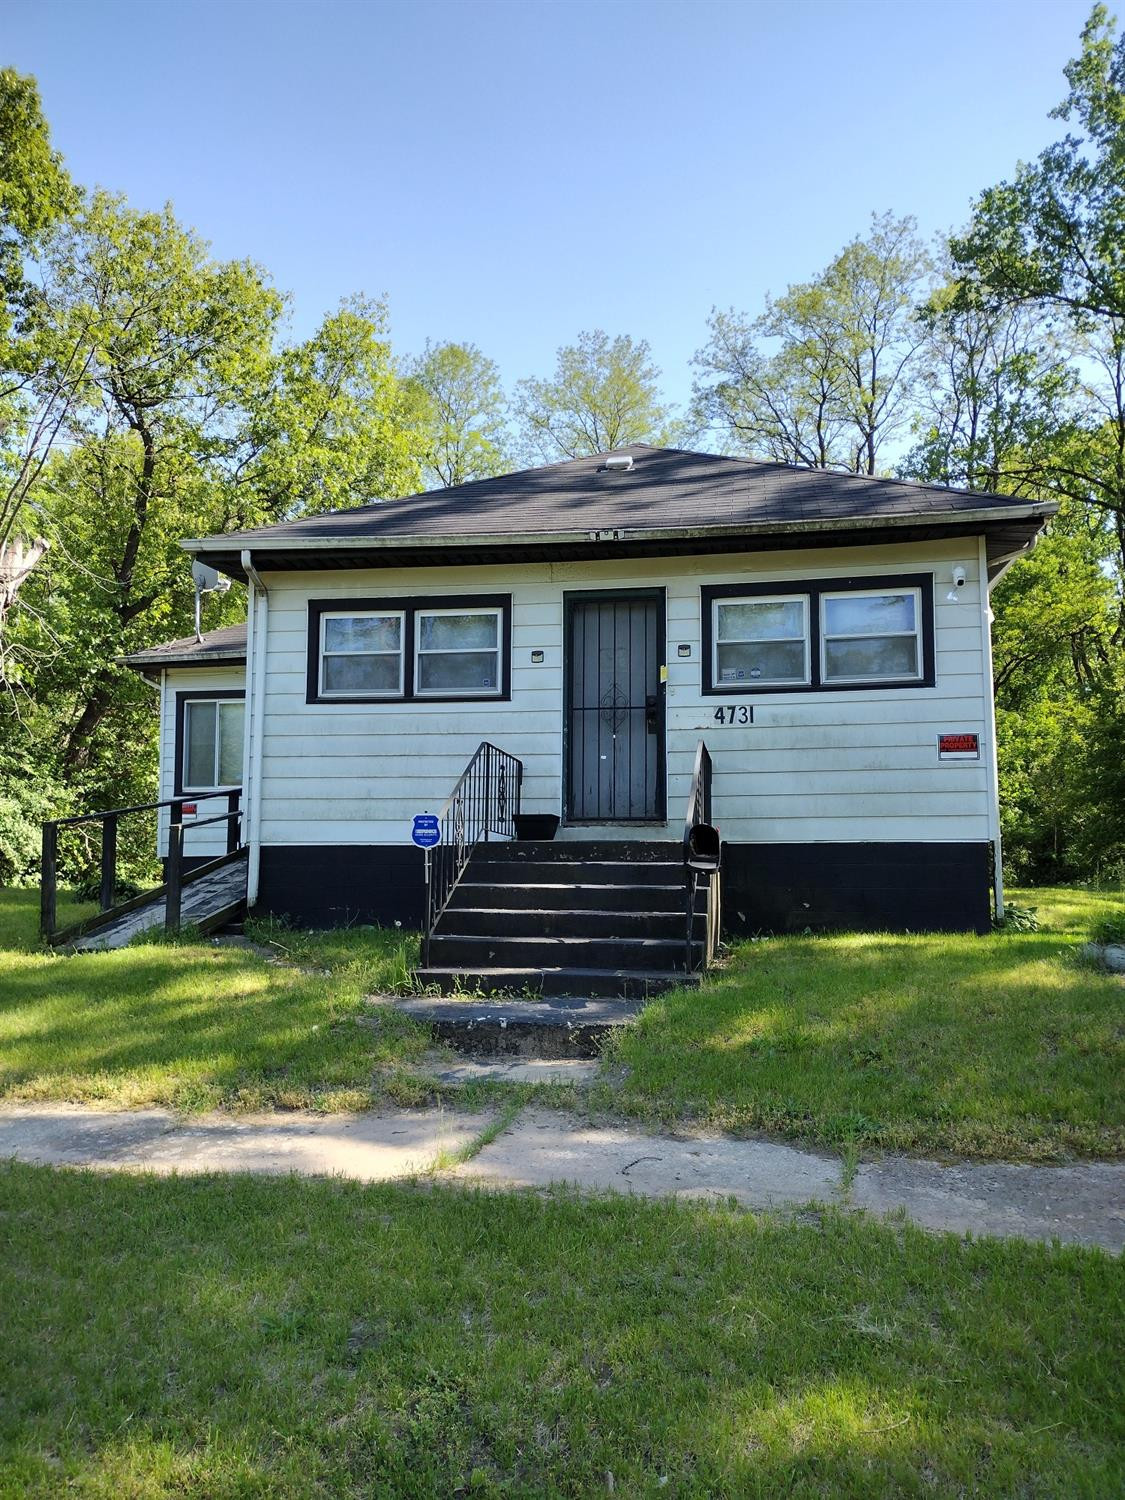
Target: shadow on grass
point(196, 1025)
point(239, 1335)
point(1002, 1046)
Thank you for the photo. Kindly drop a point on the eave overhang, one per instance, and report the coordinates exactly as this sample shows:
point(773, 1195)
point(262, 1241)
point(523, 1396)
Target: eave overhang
point(1008, 529)
point(151, 663)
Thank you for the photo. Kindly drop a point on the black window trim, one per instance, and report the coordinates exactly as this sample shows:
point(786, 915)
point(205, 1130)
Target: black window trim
point(814, 588)
point(198, 695)
point(410, 605)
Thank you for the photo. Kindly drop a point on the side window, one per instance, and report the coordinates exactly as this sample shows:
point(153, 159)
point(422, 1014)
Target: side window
point(212, 743)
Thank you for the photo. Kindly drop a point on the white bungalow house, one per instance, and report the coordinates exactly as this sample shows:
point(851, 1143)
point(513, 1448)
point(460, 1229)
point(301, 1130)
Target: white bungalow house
point(826, 635)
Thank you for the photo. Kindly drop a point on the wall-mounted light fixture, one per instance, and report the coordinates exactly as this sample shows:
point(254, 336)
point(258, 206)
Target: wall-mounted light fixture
point(684, 650)
point(537, 658)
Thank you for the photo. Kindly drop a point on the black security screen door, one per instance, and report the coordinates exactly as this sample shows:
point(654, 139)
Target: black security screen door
point(615, 708)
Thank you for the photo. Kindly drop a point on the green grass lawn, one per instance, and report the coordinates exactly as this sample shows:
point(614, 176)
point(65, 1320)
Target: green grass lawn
point(270, 1337)
point(194, 1025)
point(1001, 1046)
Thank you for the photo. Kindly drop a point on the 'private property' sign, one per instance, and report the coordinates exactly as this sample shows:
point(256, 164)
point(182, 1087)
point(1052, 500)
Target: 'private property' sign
point(958, 747)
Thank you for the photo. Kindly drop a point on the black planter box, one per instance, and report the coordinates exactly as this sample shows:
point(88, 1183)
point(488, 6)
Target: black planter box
point(536, 825)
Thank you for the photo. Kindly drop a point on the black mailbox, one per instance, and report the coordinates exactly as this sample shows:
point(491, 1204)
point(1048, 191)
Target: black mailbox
point(702, 849)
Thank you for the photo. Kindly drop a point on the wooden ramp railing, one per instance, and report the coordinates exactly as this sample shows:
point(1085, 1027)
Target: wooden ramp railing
point(212, 899)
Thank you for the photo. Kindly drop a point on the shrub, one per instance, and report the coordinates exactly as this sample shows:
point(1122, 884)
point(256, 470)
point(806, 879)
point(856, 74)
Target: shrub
point(23, 809)
point(1018, 919)
point(1110, 929)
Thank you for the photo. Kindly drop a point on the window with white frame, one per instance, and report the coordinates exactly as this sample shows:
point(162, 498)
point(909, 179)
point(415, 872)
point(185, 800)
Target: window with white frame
point(871, 635)
point(810, 634)
point(449, 647)
point(212, 743)
point(762, 640)
point(362, 654)
point(457, 652)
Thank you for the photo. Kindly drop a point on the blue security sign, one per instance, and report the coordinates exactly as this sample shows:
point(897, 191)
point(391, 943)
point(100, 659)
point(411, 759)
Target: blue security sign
point(426, 832)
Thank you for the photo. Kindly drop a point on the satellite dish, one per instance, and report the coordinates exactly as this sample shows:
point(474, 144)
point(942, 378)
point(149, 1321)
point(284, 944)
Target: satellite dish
point(207, 580)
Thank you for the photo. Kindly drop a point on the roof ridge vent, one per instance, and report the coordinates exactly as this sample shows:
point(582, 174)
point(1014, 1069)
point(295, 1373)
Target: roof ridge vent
point(617, 463)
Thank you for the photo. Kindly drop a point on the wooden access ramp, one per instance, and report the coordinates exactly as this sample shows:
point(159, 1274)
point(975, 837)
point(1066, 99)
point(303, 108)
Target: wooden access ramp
point(206, 897)
point(209, 898)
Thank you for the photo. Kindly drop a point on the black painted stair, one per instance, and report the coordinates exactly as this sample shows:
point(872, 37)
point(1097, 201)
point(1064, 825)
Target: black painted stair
point(596, 919)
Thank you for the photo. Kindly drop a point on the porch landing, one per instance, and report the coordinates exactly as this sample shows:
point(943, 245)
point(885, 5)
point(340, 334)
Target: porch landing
point(561, 1026)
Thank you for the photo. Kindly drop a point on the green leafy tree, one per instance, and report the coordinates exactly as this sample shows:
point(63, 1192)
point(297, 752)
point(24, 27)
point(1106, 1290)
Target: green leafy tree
point(36, 390)
point(825, 376)
point(178, 342)
point(1056, 669)
point(190, 418)
point(995, 396)
point(335, 427)
point(1053, 239)
point(465, 413)
point(36, 192)
point(786, 405)
point(604, 394)
point(1044, 255)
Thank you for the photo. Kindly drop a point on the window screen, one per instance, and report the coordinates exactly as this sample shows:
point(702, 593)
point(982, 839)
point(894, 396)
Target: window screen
point(458, 653)
point(361, 654)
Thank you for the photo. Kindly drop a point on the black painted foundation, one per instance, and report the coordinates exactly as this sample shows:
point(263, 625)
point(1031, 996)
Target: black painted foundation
point(872, 887)
point(774, 888)
point(343, 885)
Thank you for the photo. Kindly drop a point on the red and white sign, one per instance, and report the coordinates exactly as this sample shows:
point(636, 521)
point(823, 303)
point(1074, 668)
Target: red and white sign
point(958, 747)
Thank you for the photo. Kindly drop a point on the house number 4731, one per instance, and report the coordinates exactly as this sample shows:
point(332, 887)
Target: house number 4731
point(734, 713)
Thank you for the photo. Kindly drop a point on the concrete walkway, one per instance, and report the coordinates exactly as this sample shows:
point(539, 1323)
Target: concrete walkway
point(1083, 1205)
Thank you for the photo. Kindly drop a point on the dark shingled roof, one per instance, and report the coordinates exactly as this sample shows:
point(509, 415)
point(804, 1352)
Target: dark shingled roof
point(218, 648)
point(666, 489)
point(670, 503)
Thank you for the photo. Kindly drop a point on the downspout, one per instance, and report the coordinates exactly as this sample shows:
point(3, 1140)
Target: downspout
point(991, 770)
point(257, 641)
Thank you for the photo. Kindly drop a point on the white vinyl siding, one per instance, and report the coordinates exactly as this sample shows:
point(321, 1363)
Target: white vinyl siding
point(851, 763)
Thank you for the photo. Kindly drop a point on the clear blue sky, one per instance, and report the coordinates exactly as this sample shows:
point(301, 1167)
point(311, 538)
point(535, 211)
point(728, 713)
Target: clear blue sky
point(513, 171)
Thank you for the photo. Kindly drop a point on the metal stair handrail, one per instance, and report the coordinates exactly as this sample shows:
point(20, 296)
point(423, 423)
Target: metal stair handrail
point(698, 815)
point(485, 799)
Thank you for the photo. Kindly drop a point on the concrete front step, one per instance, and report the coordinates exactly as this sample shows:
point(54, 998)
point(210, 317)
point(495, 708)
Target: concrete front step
point(511, 871)
point(560, 895)
point(549, 980)
point(550, 1028)
point(450, 949)
point(567, 851)
point(486, 921)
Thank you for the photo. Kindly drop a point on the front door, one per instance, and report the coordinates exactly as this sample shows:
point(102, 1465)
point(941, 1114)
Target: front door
point(614, 763)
